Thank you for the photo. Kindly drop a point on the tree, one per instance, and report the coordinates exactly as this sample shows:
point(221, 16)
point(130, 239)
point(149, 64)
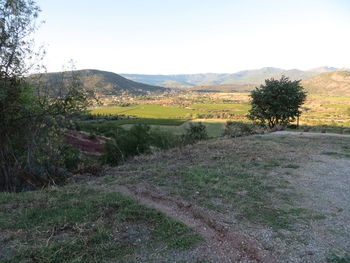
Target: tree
point(32, 118)
point(277, 102)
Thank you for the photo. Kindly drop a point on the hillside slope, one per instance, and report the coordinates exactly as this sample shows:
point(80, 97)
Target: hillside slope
point(101, 82)
point(262, 199)
point(330, 83)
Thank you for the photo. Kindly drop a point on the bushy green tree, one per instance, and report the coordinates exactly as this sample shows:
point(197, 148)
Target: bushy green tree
point(277, 102)
point(32, 120)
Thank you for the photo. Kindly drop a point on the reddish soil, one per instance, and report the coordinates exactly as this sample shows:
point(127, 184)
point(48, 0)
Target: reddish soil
point(85, 142)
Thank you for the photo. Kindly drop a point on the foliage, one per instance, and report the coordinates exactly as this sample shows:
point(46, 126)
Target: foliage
point(194, 133)
point(236, 129)
point(138, 140)
point(277, 102)
point(31, 119)
point(141, 139)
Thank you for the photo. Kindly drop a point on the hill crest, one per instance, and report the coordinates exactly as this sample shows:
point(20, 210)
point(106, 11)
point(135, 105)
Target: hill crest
point(101, 82)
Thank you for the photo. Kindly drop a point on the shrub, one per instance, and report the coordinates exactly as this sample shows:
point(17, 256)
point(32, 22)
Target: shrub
point(237, 129)
point(141, 139)
point(126, 144)
point(164, 139)
point(194, 133)
point(71, 157)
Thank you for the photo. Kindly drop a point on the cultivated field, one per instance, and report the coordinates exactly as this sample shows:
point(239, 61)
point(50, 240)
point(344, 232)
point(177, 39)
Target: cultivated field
point(329, 113)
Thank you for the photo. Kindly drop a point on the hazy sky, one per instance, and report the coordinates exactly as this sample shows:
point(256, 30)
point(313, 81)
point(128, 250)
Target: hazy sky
point(192, 36)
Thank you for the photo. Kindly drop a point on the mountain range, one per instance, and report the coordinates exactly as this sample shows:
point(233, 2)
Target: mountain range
point(323, 80)
point(256, 76)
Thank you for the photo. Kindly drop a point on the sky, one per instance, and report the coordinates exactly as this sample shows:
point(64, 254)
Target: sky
point(194, 36)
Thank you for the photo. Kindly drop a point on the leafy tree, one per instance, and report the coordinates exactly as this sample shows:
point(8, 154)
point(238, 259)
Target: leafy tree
point(32, 118)
point(277, 102)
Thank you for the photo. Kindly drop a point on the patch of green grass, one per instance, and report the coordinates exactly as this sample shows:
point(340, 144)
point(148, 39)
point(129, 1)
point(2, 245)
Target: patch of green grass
point(147, 111)
point(336, 154)
point(185, 242)
point(292, 166)
point(78, 250)
point(249, 193)
point(238, 108)
point(335, 258)
point(346, 148)
point(166, 122)
point(271, 164)
point(78, 224)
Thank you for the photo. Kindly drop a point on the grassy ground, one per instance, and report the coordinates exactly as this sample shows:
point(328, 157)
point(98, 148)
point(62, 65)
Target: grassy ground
point(78, 224)
point(251, 182)
point(247, 181)
point(230, 174)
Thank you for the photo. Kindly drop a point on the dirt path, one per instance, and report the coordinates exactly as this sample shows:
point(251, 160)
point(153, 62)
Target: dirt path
point(222, 242)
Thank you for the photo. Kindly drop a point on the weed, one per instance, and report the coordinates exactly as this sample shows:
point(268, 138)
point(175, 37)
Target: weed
point(336, 154)
point(334, 258)
point(292, 166)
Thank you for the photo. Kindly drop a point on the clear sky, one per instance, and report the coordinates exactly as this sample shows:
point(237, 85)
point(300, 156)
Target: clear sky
point(195, 36)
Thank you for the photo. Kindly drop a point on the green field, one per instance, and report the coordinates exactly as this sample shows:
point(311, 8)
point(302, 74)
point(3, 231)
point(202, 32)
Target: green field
point(147, 111)
point(318, 111)
point(239, 107)
point(159, 111)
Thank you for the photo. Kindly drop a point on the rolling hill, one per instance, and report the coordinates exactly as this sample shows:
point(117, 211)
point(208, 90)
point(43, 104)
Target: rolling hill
point(254, 77)
point(330, 83)
point(101, 82)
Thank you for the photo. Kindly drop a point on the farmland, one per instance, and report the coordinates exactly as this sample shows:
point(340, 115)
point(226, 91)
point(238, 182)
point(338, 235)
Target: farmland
point(170, 111)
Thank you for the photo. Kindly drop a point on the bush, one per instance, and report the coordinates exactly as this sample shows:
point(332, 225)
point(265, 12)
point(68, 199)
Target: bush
point(141, 139)
point(164, 139)
point(126, 144)
point(237, 129)
point(194, 133)
point(71, 157)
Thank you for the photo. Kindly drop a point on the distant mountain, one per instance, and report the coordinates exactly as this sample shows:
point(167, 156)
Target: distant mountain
point(329, 83)
point(323, 69)
point(102, 82)
point(255, 77)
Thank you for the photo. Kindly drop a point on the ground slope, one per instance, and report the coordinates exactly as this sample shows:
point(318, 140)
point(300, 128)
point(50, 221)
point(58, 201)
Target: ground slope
point(335, 83)
point(284, 196)
point(262, 198)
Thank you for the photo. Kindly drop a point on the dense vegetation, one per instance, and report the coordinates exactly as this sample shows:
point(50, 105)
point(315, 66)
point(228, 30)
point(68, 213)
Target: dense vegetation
point(141, 139)
point(277, 102)
point(31, 120)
